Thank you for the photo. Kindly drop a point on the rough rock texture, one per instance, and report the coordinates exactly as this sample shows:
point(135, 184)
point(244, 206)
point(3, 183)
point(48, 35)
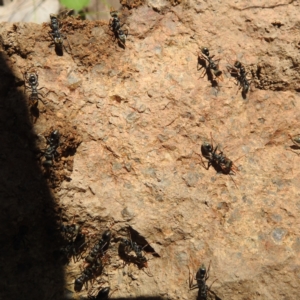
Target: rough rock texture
point(139, 116)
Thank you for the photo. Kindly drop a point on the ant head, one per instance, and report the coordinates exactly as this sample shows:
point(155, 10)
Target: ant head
point(205, 51)
point(106, 235)
point(54, 135)
point(32, 78)
point(53, 17)
point(206, 148)
point(238, 64)
point(114, 14)
point(202, 271)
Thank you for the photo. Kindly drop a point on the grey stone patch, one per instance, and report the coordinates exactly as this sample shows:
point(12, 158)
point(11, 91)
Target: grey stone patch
point(278, 234)
point(191, 179)
point(132, 117)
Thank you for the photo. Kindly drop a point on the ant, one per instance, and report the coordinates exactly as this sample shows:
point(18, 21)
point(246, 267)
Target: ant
point(75, 238)
point(212, 69)
point(126, 246)
point(56, 35)
point(99, 247)
point(103, 294)
point(73, 248)
point(296, 142)
point(70, 231)
point(219, 161)
point(32, 83)
point(115, 27)
point(201, 277)
point(88, 273)
point(133, 246)
point(239, 73)
point(51, 153)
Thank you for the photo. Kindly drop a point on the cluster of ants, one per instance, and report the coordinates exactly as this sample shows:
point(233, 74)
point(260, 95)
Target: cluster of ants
point(114, 26)
point(212, 70)
point(31, 80)
point(76, 246)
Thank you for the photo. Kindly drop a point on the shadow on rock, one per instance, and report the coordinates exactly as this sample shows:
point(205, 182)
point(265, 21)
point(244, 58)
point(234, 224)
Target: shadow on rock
point(29, 233)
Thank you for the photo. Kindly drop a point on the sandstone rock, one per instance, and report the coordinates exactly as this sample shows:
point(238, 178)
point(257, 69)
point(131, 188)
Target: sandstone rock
point(133, 121)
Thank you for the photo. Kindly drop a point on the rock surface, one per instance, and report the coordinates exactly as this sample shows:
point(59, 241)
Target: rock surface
point(139, 116)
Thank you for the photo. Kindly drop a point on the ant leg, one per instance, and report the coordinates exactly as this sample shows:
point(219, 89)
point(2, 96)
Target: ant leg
point(294, 151)
point(207, 272)
point(148, 273)
point(209, 288)
point(201, 67)
point(41, 100)
point(233, 181)
point(212, 140)
point(51, 35)
point(240, 86)
point(125, 31)
point(203, 73)
point(203, 164)
point(220, 77)
point(237, 160)
point(191, 279)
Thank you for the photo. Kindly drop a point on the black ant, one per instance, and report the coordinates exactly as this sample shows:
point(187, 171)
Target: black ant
point(75, 238)
point(33, 82)
point(239, 73)
point(126, 246)
point(51, 153)
point(70, 232)
point(73, 248)
point(103, 294)
point(212, 69)
point(201, 277)
point(219, 161)
point(89, 273)
point(115, 27)
point(296, 142)
point(56, 35)
point(129, 245)
point(99, 247)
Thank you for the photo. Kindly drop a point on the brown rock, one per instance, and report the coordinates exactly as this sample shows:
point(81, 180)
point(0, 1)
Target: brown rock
point(133, 121)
